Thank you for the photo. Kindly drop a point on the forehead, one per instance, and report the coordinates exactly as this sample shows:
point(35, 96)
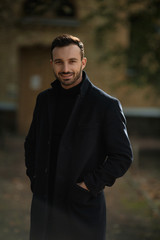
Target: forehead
point(67, 52)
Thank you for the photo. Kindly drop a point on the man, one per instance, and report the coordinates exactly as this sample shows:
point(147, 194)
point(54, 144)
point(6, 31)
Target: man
point(77, 144)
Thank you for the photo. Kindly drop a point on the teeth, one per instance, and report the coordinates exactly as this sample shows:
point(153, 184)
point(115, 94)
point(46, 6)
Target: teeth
point(66, 75)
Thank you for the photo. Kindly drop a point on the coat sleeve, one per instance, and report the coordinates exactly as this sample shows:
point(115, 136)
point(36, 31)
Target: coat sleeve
point(118, 150)
point(30, 145)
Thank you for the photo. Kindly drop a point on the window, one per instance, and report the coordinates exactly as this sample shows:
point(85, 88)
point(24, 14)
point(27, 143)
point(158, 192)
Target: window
point(49, 9)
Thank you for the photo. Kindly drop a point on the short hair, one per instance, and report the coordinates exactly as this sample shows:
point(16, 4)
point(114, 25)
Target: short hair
point(65, 40)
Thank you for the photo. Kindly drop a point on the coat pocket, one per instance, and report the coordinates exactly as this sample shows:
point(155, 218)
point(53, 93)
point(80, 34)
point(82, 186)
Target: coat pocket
point(87, 209)
point(79, 194)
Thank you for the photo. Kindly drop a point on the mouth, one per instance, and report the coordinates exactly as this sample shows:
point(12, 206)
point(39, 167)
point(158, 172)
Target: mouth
point(66, 76)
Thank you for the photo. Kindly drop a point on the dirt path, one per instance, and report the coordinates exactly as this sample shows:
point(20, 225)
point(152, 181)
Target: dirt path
point(129, 215)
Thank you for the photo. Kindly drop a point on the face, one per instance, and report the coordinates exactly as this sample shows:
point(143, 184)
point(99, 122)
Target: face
point(68, 65)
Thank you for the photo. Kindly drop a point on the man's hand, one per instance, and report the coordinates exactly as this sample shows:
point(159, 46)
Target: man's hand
point(83, 185)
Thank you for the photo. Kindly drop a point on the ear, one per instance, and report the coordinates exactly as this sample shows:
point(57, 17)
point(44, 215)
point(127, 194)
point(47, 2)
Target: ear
point(51, 61)
point(84, 62)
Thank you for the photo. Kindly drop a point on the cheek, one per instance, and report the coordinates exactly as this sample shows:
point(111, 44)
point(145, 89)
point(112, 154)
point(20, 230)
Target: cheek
point(56, 69)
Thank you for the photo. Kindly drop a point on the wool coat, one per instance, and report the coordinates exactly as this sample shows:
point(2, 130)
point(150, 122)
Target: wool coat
point(94, 148)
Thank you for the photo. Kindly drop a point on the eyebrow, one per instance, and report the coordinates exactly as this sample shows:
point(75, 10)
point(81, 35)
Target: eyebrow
point(73, 59)
point(59, 59)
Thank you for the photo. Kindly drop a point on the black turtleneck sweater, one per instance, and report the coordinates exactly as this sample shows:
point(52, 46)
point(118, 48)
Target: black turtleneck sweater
point(65, 101)
point(64, 105)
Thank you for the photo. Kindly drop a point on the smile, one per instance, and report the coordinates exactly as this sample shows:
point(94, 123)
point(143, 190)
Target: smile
point(66, 75)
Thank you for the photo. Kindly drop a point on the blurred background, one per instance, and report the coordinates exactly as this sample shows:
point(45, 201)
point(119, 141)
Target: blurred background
point(122, 44)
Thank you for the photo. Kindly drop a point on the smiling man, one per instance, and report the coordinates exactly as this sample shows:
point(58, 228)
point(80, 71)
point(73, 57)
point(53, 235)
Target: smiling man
point(77, 144)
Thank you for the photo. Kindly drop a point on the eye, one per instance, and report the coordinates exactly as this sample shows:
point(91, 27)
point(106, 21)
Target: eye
point(72, 61)
point(58, 62)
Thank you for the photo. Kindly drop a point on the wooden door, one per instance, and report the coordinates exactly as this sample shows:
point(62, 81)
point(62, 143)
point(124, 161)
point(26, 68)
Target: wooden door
point(35, 75)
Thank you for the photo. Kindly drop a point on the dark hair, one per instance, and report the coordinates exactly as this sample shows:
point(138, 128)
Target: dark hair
point(65, 40)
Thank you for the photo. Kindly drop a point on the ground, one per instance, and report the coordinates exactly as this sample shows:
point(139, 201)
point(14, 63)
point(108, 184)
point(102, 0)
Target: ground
point(132, 203)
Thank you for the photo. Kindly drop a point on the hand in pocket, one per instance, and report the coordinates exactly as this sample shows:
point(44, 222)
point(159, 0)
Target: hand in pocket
point(83, 185)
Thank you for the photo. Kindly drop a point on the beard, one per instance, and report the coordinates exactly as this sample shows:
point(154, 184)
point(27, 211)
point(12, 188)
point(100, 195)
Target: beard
point(70, 81)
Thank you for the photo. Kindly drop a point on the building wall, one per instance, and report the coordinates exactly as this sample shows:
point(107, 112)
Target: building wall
point(17, 35)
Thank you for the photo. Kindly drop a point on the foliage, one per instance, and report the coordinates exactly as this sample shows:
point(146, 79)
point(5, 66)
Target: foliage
point(142, 54)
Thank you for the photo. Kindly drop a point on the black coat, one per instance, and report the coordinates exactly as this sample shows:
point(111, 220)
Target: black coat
point(94, 148)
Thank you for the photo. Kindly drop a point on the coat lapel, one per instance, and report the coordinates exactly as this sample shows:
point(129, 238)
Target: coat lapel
point(51, 108)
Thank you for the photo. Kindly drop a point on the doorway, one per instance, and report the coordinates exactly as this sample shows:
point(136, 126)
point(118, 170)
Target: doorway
point(35, 75)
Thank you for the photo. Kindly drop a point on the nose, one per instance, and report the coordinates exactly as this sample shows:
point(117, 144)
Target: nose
point(65, 68)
